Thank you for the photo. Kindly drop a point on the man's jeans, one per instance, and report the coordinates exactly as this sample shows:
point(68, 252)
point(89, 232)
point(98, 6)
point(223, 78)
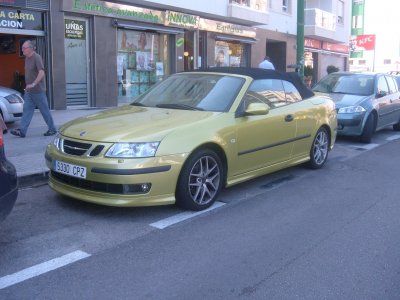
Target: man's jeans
point(39, 100)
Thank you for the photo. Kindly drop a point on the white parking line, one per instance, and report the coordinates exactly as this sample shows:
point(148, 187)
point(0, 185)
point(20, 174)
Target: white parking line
point(183, 216)
point(42, 268)
point(393, 137)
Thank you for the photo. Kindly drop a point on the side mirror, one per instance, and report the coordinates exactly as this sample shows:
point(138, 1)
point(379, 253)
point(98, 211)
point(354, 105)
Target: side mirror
point(256, 109)
point(381, 94)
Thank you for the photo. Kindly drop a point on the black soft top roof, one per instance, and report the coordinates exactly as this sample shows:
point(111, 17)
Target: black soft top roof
point(257, 73)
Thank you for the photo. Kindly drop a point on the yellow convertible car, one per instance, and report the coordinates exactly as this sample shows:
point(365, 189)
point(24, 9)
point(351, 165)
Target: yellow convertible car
point(191, 135)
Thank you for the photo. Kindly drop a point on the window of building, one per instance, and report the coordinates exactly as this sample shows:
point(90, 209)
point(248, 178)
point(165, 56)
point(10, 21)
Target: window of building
point(387, 61)
point(292, 94)
point(362, 62)
point(351, 62)
point(230, 54)
point(357, 22)
point(286, 6)
point(340, 12)
point(240, 2)
point(142, 60)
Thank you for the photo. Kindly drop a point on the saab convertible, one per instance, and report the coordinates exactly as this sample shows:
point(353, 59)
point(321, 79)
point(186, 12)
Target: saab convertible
point(191, 135)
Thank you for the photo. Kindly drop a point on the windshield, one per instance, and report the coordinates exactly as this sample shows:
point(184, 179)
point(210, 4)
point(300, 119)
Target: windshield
point(207, 92)
point(353, 84)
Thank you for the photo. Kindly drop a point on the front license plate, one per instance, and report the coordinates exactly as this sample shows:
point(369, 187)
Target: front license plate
point(69, 169)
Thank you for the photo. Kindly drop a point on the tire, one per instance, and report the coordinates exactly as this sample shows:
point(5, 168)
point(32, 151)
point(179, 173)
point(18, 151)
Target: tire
point(369, 129)
point(200, 180)
point(319, 149)
point(396, 127)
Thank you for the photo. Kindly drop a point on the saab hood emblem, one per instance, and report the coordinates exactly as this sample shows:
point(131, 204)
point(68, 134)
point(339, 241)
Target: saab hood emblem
point(82, 133)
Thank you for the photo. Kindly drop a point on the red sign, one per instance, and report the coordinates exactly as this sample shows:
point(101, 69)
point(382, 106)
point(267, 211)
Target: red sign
point(363, 42)
point(310, 43)
point(335, 47)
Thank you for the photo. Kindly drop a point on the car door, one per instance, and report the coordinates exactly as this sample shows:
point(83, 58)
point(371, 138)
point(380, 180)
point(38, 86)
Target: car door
point(265, 140)
point(305, 115)
point(394, 99)
point(382, 98)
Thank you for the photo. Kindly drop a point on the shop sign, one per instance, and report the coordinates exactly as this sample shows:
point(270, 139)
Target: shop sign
point(114, 10)
point(226, 28)
point(75, 29)
point(20, 19)
point(20, 3)
point(181, 20)
point(335, 47)
point(310, 43)
point(363, 42)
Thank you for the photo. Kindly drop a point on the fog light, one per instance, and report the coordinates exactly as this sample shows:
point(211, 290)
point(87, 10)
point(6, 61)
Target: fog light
point(145, 187)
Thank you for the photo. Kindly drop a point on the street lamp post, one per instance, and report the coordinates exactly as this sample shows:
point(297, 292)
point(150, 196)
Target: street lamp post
point(300, 38)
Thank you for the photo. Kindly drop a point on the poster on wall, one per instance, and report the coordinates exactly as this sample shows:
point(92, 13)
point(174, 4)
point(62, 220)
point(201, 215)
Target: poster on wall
point(75, 29)
point(143, 62)
point(221, 56)
point(234, 61)
point(131, 41)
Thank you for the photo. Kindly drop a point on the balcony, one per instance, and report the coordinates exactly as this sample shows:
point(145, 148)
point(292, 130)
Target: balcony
point(320, 24)
point(252, 12)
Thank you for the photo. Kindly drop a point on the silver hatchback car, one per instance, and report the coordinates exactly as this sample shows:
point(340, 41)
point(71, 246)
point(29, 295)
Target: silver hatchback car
point(365, 102)
point(11, 104)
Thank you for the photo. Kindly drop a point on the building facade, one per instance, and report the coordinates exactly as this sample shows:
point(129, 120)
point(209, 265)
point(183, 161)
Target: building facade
point(327, 34)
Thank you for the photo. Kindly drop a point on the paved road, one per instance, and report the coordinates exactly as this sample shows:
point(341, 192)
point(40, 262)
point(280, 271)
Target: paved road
point(298, 234)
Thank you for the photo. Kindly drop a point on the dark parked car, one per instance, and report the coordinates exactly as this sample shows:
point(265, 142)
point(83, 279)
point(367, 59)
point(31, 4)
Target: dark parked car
point(365, 102)
point(8, 183)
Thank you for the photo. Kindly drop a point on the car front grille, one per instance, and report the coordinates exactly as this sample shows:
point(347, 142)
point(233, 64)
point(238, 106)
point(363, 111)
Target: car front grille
point(75, 148)
point(111, 188)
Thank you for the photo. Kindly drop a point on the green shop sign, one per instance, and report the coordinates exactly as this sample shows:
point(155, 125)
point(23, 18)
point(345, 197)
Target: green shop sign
point(182, 20)
point(114, 10)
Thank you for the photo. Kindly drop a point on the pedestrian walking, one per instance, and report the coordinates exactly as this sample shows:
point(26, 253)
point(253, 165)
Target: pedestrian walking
point(266, 64)
point(35, 92)
point(3, 126)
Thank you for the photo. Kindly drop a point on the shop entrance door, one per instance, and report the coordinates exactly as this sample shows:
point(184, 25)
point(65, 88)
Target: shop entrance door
point(77, 64)
point(277, 52)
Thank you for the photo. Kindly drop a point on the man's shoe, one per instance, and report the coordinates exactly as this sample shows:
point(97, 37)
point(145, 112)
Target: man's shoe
point(17, 132)
point(49, 133)
point(5, 131)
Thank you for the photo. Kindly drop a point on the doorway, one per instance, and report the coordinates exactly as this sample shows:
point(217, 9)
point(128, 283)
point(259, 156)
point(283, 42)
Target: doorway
point(277, 53)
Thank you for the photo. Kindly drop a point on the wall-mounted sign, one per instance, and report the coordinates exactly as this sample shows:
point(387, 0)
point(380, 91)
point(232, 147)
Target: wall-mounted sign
point(20, 3)
point(226, 28)
point(335, 47)
point(363, 42)
point(181, 20)
point(75, 29)
point(114, 10)
point(310, 43)
point(20, 19)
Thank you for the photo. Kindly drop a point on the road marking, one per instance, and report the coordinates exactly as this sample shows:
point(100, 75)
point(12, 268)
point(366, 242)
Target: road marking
point(183, 216)
point(42, 268)
point(393, 137)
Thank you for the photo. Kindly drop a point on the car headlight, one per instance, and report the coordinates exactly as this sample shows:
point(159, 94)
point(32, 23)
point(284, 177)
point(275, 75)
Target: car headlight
point(132, 150)
point(14, 98)
point(351, 109)
point(57, 141)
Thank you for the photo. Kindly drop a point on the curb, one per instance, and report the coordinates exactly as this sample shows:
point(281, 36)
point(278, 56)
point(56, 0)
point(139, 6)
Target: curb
point(33, 180)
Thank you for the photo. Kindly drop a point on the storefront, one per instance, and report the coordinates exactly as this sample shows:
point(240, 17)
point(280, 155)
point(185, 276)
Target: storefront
point(318, 55)
point(112, 53)
point(21, 21)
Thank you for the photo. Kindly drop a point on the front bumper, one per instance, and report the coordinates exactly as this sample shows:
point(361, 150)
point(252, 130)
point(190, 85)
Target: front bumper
point(12, 112)
point(350, 124)
point(160, 172)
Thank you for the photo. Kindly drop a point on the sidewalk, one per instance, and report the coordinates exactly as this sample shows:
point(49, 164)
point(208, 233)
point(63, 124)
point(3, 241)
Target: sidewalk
point(27, 154)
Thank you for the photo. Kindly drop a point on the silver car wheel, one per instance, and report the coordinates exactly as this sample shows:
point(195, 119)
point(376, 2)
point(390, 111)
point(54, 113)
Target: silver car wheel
point(204, 180)
point(320, 147)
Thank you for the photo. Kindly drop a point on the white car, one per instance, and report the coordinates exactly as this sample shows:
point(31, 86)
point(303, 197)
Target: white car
point(11, 104)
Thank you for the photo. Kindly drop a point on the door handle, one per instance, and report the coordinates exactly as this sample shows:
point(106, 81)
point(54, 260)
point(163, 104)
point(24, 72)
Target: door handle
point(289, 118)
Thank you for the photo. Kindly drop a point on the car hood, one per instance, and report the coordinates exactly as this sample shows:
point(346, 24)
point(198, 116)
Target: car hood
point(131, 124)
point(342, 100)
point(6, 91)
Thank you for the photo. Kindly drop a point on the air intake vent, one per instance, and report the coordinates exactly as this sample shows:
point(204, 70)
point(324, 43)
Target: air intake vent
point(38, 4)
point(96, 151)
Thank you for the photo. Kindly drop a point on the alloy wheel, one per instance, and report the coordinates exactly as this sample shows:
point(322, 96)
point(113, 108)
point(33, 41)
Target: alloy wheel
point(204, 180)
point(320, 149)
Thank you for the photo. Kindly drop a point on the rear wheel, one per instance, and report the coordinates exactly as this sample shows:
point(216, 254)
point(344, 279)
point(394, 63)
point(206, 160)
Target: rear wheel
point(200, 180)
point(396, 127)
point(319, 149)
point(369, 129)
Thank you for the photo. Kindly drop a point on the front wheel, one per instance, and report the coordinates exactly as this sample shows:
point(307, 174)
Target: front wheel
point(200, 180)
point(368, 130)
point(319, 149)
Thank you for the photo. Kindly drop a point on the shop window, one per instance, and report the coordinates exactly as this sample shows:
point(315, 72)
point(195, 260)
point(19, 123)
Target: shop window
point(229, 54)
point(142, 60)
